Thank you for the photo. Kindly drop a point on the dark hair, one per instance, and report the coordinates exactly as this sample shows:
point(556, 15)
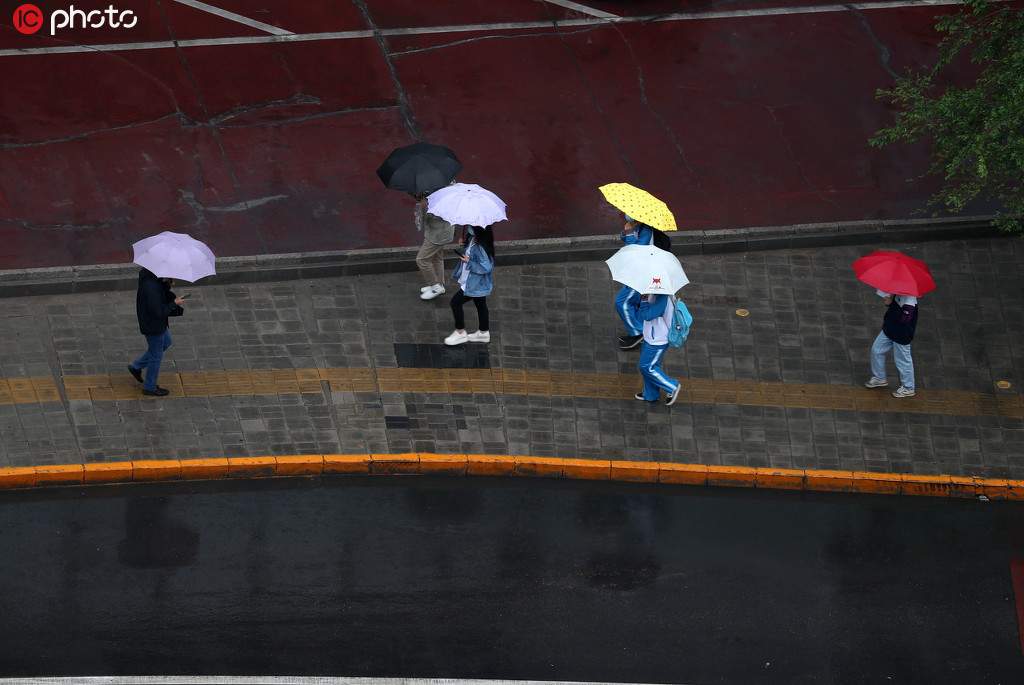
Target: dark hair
point(484, 238)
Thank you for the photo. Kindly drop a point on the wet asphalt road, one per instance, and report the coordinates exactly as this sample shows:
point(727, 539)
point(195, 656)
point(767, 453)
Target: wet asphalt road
point(508, 579)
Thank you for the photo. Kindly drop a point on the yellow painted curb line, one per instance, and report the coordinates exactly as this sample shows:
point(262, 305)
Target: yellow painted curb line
point(811, 480)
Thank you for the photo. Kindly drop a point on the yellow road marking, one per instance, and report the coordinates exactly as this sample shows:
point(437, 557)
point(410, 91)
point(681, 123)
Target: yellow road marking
point(107, 387)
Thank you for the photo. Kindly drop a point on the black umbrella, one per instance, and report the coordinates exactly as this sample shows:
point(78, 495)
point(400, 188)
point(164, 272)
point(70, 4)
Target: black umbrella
point(420, 168)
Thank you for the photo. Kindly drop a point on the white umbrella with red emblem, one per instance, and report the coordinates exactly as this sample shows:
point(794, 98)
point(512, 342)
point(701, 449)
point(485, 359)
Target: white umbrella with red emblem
point(648, 270)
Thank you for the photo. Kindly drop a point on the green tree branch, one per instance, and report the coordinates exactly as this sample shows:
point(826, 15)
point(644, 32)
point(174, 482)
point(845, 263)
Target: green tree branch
point(976, 132)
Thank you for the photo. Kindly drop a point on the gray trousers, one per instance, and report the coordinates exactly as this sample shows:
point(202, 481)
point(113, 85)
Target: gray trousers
point(430, 260)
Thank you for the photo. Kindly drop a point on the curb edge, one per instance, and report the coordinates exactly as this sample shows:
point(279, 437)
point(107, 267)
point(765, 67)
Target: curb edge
point(301, 265)
point(521, 466)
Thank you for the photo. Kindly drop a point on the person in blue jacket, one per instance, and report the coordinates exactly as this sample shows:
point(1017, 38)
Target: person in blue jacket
point(475, 279)
point(656, 313)
point(627, 301)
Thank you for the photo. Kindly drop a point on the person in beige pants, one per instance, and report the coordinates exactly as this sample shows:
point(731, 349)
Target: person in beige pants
point(437, 233)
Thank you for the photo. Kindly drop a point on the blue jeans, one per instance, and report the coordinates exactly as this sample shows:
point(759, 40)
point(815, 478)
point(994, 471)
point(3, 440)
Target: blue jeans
point(655, 379)
point(627, 304)
point(901, 353)
point(150, 360)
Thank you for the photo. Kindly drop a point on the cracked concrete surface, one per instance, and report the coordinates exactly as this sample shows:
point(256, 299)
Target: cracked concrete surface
point(241, 110)
point(884, 53)
point(403, 98)
point(34, 226)
point(621, 150)
point(243, 206)
point(670, 132)
point(88, 134)
point(197, 93)
point(271, 147)
point(794, 158)
point(218, 121)
point(492, 36)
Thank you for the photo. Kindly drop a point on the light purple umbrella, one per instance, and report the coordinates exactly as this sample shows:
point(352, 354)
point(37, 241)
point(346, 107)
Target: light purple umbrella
point(466, 204)
point(175, 255)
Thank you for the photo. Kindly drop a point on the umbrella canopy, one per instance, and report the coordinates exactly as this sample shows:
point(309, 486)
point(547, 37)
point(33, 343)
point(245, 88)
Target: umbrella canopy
point(420, 168)
point(175, 255)
point(647, 269)
point(639, 205)
point(894, 272)
point(466, 204)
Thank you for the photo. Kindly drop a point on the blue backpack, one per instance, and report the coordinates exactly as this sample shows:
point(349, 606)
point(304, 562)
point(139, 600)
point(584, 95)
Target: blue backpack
point(681, 322)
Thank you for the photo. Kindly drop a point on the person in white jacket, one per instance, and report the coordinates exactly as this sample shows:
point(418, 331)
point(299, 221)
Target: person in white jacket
point(656, 313)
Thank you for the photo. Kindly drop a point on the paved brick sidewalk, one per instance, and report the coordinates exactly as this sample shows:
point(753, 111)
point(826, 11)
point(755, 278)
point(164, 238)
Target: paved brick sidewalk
point(777, 388)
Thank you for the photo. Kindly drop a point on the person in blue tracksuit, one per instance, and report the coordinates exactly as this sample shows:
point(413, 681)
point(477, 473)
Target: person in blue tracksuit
point(627, 301)
point(656, 313)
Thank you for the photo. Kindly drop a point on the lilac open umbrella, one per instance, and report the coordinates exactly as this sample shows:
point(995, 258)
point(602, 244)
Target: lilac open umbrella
point(175, 255)
point(466, 204)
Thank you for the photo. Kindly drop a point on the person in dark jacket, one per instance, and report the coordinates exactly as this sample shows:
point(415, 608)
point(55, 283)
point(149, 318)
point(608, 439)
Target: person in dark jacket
point(154, 303)
point(897, 333)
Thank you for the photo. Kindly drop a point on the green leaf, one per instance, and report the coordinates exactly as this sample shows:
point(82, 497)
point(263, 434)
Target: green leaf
point(976, 131)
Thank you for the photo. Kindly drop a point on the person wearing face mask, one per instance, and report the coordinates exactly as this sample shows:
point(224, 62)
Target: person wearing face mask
point(627, 301)
point(476, 281)
point(154, 303)
point(897, 333)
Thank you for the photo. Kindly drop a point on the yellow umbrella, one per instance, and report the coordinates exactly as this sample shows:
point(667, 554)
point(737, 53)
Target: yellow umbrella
point(640, 205)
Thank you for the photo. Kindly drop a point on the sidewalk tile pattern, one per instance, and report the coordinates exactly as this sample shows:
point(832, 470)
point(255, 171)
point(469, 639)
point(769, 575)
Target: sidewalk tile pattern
point(308, 367)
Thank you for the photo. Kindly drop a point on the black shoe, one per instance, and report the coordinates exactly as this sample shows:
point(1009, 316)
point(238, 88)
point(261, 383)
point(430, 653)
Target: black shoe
point(136, 373)
point(159, 392)
point(640, 396)
point(628, 342)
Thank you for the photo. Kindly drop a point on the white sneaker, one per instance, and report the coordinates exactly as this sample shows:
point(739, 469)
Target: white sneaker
point(432, 292)
point(480, 337)
point(903, 392)
point(426, 288)
point(456, 338)
point(876, 383)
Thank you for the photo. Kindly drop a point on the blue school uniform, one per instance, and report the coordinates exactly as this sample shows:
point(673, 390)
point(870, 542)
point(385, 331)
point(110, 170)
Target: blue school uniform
point(657, 318)
point(627, 301)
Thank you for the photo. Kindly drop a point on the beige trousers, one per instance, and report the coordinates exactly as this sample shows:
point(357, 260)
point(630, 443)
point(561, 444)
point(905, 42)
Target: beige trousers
point(430, 261)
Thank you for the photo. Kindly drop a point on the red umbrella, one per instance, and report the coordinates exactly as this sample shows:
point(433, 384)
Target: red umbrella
point(894, 272)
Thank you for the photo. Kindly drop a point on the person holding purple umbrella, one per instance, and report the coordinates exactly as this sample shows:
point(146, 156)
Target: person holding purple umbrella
point(163, 257)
